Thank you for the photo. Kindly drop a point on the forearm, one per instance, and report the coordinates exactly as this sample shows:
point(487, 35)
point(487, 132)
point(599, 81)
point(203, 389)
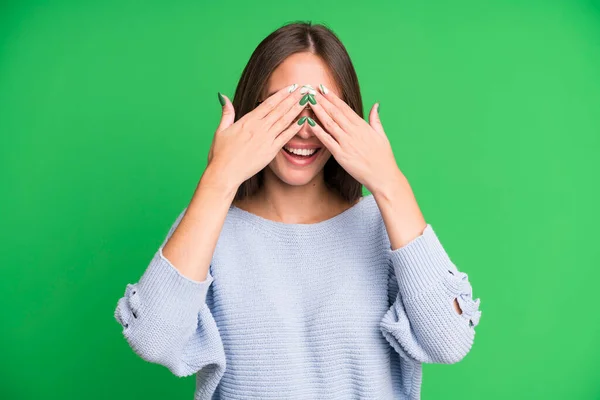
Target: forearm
point(401, 213)
point(397, 203)
point(191, 247)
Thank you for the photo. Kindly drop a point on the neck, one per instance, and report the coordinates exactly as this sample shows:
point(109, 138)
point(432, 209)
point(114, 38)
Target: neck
point(290, 204)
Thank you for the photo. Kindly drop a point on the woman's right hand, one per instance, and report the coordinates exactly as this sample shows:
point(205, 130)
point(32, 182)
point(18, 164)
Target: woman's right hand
point(240, 150)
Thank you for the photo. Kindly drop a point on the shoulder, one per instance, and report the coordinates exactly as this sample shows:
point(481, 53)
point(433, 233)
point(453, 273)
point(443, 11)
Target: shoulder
point(372, 221)
point(233, 227)
point(371, 214)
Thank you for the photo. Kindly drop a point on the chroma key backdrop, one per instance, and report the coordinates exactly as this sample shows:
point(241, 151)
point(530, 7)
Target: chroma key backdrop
point(108, 109)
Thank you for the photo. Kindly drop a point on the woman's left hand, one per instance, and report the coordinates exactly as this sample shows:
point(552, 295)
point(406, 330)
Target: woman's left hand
point(361, 148)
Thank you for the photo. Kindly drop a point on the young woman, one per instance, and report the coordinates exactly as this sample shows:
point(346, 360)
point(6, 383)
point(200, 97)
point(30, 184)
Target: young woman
point(280, 280)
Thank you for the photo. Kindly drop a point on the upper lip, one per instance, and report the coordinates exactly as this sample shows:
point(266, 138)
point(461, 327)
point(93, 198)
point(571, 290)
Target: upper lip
point(302, 146)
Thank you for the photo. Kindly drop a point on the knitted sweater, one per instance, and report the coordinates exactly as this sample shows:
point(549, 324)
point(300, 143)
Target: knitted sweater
point(304, 311)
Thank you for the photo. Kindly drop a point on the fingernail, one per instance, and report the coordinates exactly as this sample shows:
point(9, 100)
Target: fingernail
point(292, 88)
point(311, 122)
point(308, 89)
point(304, 99)
point(378, 107)
point(221, 99)
point(301, 120)
point(324, 90)
point(312, 99)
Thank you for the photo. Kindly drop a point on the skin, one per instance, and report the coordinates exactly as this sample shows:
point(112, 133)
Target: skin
point(291, 194)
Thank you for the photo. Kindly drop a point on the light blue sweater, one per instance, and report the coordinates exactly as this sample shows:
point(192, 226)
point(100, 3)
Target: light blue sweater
point(304, 311)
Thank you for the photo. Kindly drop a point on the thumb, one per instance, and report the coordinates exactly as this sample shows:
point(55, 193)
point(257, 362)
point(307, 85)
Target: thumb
point(374, 120)
point(228, 116)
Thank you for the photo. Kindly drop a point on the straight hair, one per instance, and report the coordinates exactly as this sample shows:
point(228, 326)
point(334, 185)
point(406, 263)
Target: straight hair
point(289, 39)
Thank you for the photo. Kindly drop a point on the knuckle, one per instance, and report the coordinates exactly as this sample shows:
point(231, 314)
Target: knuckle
point(274, 129)
point(259, 126)
point(271, 101)
point(329, 125)
point(278, 126)
point(267, 120)
point(249, 126)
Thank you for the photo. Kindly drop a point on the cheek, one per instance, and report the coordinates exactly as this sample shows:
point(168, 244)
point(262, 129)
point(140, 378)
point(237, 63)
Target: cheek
point(278, 158)
point(278, 162)
point(325, 156)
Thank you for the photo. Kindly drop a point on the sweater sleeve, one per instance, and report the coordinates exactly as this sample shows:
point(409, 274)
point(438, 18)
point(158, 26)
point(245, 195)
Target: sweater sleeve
point(166, 321)
point(422, 324)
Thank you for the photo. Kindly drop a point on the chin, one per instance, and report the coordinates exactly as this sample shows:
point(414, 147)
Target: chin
point(293, 179)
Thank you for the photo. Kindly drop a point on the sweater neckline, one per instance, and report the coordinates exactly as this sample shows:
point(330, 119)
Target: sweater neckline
point(342, 218)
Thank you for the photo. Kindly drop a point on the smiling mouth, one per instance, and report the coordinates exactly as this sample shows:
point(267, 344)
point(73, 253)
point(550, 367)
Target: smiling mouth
point(301, 153)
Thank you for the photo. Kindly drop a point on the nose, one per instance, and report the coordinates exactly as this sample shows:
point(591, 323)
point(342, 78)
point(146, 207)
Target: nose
point(305, 132)
point(307, 112)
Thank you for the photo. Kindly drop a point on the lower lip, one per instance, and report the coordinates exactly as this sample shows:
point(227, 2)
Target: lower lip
point(301, 162)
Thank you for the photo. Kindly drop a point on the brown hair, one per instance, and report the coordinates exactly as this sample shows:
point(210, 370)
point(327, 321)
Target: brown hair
point(273, 50)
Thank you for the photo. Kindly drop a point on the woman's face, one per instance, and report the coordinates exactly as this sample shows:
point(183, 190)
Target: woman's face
point(303, 69)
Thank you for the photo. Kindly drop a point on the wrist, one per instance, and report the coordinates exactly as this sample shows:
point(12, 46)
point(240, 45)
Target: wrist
point(389, 186)
point(215, 181)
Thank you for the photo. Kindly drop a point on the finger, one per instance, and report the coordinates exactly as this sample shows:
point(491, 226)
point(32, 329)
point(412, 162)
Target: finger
point(291, 103)
point(227, 119)
point(334, 112)
point(210, 155)
point(327, 121)
point(227, 113)
point(329, 141)
point(374, 120)
point(339, 103)
point(288, 116)
point(287, 134)
point(272, 101)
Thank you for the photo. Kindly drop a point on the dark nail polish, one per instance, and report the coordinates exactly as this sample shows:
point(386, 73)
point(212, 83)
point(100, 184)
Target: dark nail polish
point(221, 99)
point(301, 120)
point(311, 122)
point(304, 99)
point(312, 99)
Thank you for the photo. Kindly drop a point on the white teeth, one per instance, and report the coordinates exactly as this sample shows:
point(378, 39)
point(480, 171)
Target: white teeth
point(301, 152)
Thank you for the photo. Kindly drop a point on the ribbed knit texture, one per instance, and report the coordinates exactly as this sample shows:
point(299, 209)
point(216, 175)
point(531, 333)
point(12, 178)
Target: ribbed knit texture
point(304, 311)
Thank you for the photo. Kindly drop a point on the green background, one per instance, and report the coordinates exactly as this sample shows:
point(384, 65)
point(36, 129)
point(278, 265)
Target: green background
point(107, 110)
